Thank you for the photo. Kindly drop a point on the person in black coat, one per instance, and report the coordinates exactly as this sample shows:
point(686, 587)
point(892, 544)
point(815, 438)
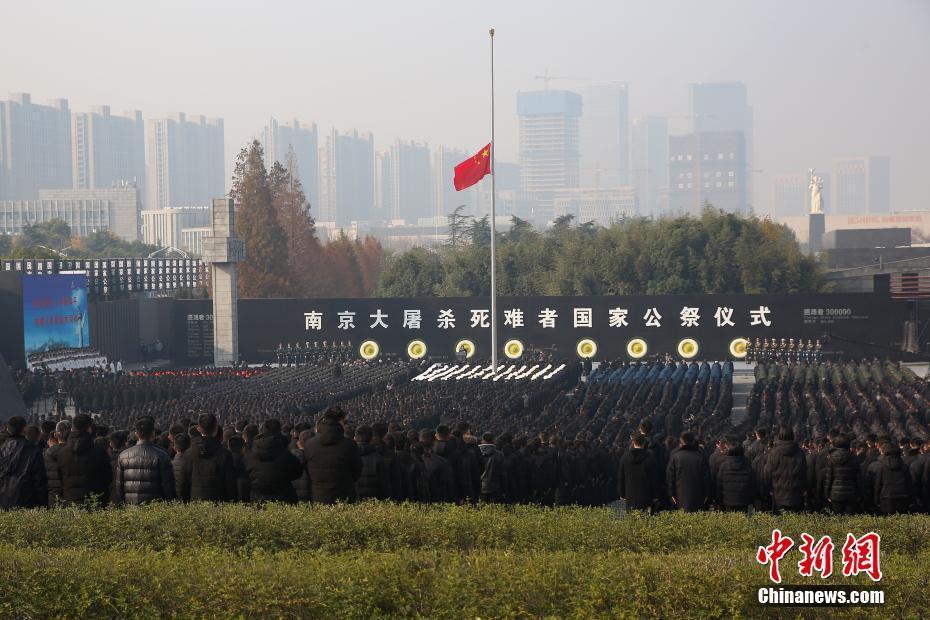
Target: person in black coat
point(22, 471)
point(687, 476)
point(494, 471)
point(446, 446)
point(302, 485)
point(207, 471)
point(840, 477)
point(144, 472)
point(271, 466)
point(236, 447)
point(736, 481)
point(636, 475)
point(56, 442)
point(375, 480)
point(180, 443)
point(83, 466)
point(332, 460)
point(785, 472)
point(438, 471)
point(892, 480)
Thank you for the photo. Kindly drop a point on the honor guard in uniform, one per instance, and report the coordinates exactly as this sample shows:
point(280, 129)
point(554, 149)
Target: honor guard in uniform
point(818, 350)
point(279, 353)
point(289, 354)
point(791, 351)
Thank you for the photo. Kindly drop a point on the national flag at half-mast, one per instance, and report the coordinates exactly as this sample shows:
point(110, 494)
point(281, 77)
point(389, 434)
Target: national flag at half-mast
point(473, 169)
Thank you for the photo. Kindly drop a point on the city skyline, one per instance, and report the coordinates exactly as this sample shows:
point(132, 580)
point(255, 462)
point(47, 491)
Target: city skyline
point(811, 102)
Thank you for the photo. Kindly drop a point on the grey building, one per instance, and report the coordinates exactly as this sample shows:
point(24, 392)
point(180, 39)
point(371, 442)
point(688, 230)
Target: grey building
point(107, 150)
point(410, 166)
point(166, 227)
point(862, 185)
point(347, 177)
point(605, 136)
point(790, 194)
point(707, 167)
point(279, 138)
point(724, 107)
point(548, 130)
point(116, 209)
point(35, 147)
point(650, 162)
point(185, 161)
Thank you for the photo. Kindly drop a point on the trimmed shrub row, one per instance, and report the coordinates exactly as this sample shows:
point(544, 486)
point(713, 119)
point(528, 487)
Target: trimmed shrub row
point(387, 527)
point(482, 584)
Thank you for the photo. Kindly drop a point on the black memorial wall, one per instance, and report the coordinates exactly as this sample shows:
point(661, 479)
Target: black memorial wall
point(857, 324)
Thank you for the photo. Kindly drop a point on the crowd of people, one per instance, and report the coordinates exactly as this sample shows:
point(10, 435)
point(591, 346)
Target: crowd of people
point(659, 435)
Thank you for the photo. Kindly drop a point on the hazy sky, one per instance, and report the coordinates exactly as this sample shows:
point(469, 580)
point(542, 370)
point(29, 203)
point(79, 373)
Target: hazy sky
point(825, 78)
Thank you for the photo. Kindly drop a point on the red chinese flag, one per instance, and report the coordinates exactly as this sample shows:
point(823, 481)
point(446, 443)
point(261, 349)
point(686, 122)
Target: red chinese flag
point(473, 169)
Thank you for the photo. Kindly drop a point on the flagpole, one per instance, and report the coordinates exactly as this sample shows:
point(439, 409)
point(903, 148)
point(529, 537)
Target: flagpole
point(493, 223)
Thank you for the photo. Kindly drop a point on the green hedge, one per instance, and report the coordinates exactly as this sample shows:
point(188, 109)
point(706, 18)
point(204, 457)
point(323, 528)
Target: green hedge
point(388, 527)
point(378, 559)
point(481, 584)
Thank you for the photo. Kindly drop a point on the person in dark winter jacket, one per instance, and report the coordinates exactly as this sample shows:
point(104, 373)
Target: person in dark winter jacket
point(83, 466)
point(446, 446)
point(840, 477)
point(271, 466)
point(207, 471)
point(636, 476)
point(181, 443)
point(144, 472)
point(115, 443)
point(56, 442)
point(302, 485)
point(687, 476)
point(892, 480)
point(236, 447)
point(374, 481)
point(414, 485)
point(736, 481)
point(22, 471)
point(438, 471)
point(493, 470)
point(785, 472)
point(332, 461)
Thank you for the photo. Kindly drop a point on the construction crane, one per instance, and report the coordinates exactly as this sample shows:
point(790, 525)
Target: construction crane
point(546, 78)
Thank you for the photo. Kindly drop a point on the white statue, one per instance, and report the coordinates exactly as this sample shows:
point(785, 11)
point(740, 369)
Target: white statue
point(816, 185)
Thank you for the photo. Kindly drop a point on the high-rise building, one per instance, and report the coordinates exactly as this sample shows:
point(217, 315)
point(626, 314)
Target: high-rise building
point(723, 106)
point(605, 136)
point(549, 146)
point(185, 161)
point(107, 150)
point(411, 186)
point(650, 162)
point(384, 186)
point(790, 194)
point(347, 177)
point(862, 185)
point(279, 138)
point(707, 167)
point(35, 147)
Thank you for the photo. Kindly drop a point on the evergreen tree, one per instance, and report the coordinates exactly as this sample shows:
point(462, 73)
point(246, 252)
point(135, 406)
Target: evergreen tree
point(264, 271)
point(304, 252)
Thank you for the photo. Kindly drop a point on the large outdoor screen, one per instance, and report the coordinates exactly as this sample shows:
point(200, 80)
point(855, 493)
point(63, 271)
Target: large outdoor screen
point(55, 312)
